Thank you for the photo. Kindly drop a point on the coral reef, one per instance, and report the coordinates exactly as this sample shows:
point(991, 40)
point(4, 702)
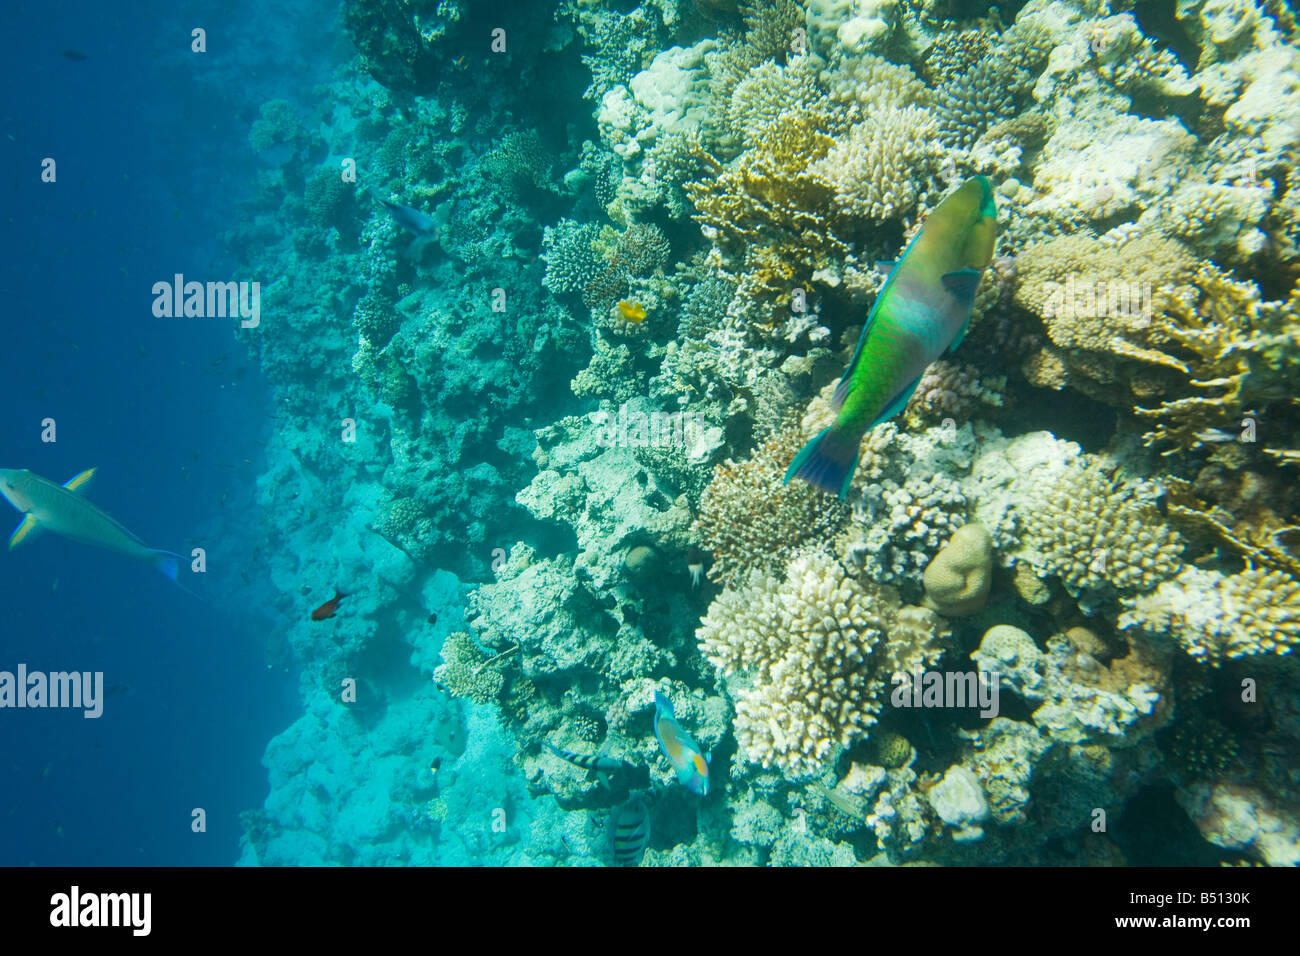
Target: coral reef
point(807, 658)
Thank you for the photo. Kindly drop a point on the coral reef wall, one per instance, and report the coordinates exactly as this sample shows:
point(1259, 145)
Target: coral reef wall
point(542, 444)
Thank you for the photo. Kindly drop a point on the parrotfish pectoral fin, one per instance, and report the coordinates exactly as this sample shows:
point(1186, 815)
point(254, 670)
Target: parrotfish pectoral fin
point(961, 334)
point(897, 403)
point(961, 285)
point(78, 481)
point(27, 528)
point(827, 462)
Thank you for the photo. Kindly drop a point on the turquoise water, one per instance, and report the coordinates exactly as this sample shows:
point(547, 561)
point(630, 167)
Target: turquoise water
point(498, 434)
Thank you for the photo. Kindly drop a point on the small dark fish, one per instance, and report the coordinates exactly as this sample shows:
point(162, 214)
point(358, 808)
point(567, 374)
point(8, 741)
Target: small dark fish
point(75, 55)
point(433, 618)
point(629, 826)
point(327, 609)
point(437, 763)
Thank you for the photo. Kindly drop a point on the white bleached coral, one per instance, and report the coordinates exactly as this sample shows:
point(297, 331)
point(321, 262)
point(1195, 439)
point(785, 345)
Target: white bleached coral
point(808, 659)
point(1217, 617)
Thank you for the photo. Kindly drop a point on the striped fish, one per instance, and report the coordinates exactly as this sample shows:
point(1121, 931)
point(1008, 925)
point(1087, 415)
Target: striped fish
point(629, 829)
point(596, 763)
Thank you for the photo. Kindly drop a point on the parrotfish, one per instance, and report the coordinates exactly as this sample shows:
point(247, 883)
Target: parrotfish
point(691, 763)
point(422, 226)
point(47, 506)
point(629, 827)
point(412, 220)
point(922, 311)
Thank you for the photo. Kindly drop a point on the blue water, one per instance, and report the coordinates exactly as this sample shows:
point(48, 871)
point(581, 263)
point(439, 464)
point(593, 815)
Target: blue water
point(171, 413)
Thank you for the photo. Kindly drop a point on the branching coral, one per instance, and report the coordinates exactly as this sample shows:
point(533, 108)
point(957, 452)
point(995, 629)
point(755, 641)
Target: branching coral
point(467, 671)
point(1237, 352)
point(1217, 617)
point(599, 263)
point(750, 519)
point(1084, 525)
point(808, 659)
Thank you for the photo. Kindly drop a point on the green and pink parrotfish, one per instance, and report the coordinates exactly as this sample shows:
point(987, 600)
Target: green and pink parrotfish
point(922, 311)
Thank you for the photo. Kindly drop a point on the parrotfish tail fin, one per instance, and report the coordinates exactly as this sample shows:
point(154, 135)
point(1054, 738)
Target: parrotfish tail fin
point(168, 562)
point(827, 462)
point(663, 704)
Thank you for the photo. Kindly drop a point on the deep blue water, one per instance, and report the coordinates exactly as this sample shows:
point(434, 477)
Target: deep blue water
point(170, 411)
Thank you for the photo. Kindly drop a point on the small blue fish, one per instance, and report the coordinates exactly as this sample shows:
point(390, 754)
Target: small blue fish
point(422, 226)
point(412, 220)
point(691, 763)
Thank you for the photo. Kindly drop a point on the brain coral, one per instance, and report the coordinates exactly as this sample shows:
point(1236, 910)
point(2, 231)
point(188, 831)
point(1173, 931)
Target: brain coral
point(1087, 527)
point(808, 659)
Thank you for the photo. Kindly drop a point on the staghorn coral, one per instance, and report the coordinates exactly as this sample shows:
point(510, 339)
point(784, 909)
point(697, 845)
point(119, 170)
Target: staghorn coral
point(1220, 617)
point(874, 171)
point(750, 519)
point(1257, 535)
point(1238, 353)
point(1097, 534)
point(807, 659)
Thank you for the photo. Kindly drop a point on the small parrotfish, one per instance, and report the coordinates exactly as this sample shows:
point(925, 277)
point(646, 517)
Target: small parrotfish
point(47, 506)
point(600, 765)
point(422, 226)
point(923, 309)
point(629, 829)
point(691, 763)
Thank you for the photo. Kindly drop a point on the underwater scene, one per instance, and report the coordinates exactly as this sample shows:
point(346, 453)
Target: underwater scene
point(675, 433)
